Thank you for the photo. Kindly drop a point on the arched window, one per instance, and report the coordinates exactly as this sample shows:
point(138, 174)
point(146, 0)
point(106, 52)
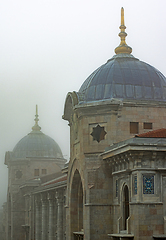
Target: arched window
point(76, 204)
point(125, 206)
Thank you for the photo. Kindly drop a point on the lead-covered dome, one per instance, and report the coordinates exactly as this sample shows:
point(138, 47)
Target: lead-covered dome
point(36, 145)
point(124, 77)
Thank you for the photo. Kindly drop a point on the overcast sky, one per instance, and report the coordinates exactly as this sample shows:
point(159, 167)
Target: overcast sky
point(49, 47)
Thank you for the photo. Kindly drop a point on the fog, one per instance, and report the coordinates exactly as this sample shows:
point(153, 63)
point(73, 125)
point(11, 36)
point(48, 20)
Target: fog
point(49, 47)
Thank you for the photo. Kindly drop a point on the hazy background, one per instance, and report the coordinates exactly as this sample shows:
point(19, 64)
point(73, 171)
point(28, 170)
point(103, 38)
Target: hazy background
point(49, 47)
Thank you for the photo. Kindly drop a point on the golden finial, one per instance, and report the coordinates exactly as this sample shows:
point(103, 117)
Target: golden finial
point(123, 47)
point(122, 17)
point(36, 127)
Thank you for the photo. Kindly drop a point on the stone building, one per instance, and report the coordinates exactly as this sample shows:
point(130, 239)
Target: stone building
point(34, 156)
point(119, 193)
point(114, 185)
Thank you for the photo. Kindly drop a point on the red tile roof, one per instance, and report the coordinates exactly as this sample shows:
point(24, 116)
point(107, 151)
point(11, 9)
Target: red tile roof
point(159, 133)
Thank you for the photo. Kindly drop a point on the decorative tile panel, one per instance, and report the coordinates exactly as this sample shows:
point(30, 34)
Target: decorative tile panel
point(148, 184)
point(116, 188)
point(135, 185)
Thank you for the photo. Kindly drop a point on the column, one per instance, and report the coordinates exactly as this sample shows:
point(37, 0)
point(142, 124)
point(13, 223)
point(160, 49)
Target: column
point(44, 201)
point(37, 218)
point(55, 216)
point(59, 197)
point(32, 224)
point(51, 225)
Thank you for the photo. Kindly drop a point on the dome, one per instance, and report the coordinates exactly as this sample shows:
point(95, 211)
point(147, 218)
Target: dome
point(124, 77)
point(37, 145)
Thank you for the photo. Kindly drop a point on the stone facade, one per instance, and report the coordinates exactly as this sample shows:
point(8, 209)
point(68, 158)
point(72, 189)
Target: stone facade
point(103, 183)
point(45, 210)
point(15, 200)
point(140, 165)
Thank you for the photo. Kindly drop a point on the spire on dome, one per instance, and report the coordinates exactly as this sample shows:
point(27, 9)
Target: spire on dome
point(123, 47)
point(36, 127)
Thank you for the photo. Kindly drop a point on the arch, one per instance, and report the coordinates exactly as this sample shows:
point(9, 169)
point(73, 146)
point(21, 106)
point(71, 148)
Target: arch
point(70, 102)
point(76, 204)
point(125, 204)
point(9, 208)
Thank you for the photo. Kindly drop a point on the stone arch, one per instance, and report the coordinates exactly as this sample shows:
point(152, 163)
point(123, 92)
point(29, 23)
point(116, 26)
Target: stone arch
point(71, 101)
point(76, 204)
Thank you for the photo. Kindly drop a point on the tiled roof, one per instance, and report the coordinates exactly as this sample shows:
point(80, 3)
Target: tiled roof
point(60, 179)
point(159, 133)
point(50, 177)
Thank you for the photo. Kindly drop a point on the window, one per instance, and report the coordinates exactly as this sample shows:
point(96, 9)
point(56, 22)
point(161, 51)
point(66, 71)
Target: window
point(125, 206)
point(18, 174)
point(134, 127)
point(135, 185)
point(116, 188)
point(98, 133)
point(44, 171)
point(36, 172)
point(147, 125)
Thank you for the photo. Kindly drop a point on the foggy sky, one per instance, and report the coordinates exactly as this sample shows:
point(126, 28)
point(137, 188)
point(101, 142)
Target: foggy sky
point(49, 47)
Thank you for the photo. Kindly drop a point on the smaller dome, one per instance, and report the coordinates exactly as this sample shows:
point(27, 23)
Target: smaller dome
point(37, 145)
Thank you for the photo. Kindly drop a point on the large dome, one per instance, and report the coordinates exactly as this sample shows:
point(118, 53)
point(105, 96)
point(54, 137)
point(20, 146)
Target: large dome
point(37, 145)
point(124, 76)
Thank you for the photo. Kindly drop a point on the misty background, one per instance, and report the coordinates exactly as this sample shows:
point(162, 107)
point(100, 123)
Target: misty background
point(49, 47)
